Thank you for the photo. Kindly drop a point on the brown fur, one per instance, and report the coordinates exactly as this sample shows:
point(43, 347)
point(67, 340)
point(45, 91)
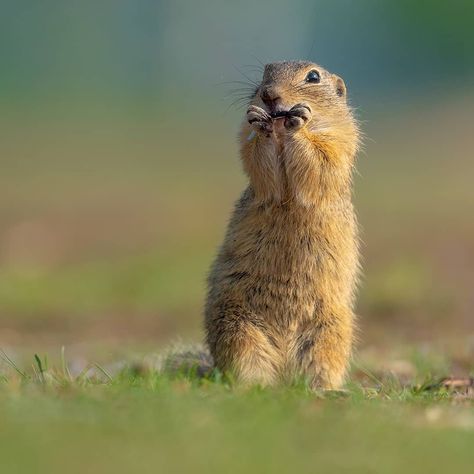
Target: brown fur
point(281, 290)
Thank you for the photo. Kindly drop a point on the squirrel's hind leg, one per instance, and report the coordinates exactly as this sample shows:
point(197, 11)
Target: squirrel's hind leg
point(241, 346)
point(322, 349)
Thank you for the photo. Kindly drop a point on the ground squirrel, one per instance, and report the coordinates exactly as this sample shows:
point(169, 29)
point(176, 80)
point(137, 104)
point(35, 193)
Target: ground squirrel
point(281, 290)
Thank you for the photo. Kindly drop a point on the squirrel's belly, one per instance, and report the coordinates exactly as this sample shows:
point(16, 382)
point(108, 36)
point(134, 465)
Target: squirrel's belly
point(281, 301)
point(283, 266)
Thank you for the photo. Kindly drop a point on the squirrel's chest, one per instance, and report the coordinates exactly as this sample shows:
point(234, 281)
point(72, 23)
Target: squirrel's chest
point(288, 243)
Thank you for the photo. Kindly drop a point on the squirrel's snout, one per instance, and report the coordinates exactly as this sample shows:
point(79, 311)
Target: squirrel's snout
point(270, 97)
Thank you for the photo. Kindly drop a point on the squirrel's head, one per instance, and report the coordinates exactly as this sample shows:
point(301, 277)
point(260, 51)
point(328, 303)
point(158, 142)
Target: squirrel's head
point(287, 83)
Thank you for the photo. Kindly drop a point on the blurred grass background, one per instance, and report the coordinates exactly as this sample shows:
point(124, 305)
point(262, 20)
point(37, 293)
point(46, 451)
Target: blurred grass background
point(119, 162)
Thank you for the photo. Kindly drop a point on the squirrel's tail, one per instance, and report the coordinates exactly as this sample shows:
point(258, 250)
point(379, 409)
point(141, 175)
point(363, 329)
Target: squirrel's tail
point(186, 359)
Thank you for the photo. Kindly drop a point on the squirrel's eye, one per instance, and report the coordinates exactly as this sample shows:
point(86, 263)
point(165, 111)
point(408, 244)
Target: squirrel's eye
point(313, 76)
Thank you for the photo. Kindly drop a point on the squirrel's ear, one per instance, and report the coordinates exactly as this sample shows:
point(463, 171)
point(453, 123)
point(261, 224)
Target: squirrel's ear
point(341, 89)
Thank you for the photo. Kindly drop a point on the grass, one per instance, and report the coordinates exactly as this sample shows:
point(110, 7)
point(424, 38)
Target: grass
point(147, 421)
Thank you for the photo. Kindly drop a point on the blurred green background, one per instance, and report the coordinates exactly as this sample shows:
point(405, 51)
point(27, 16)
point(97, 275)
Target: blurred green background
point(119, 161)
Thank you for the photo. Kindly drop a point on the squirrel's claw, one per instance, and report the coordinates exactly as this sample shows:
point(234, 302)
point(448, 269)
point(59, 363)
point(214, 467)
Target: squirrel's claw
point(259, 119)
point(298, 116)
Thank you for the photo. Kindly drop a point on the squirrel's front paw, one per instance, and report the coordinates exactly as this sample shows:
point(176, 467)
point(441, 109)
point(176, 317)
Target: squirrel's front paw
point(259, 119)
point(298, 116)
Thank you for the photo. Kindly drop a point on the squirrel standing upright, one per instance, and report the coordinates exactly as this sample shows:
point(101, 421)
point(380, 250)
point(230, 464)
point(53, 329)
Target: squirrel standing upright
point(282, 288)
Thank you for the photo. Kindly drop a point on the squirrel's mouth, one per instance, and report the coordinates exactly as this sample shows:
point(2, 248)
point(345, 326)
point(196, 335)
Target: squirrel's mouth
point(277, 110)
point(280, 111)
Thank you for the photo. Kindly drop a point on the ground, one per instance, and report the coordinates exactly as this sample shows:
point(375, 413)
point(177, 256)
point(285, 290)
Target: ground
point(142, 421)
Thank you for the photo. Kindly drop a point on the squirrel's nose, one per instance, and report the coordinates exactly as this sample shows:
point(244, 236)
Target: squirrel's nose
point(270, 96)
